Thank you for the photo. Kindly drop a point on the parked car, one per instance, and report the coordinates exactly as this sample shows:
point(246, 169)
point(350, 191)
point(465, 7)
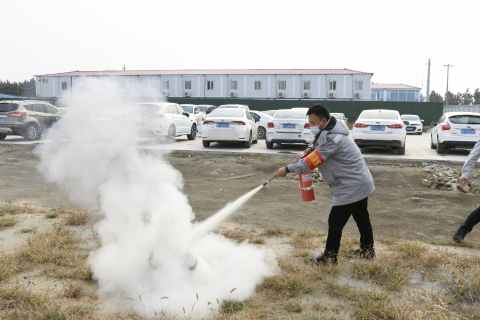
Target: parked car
point(289, 126)
point(194, 112)
point(207, 108)
point(455, 129)
point(415, 124)
point(235, 106)
point(340, 117)
point(164, 120)
point(229, 125)
point(270, 112)
point(380, 128)
point(262, 120)
point(24, 118)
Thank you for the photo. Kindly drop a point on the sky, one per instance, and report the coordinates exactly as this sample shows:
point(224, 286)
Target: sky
point(392, 40)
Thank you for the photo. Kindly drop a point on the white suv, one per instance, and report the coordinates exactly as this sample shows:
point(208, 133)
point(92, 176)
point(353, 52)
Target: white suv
point(380, 128)
point(455, 129)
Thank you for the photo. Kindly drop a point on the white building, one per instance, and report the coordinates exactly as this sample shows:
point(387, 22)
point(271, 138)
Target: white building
point(343, 84)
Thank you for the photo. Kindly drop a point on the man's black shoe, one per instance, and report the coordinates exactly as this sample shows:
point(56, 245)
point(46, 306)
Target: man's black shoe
point(324, 260)
point(459, 235)
point(365, 253)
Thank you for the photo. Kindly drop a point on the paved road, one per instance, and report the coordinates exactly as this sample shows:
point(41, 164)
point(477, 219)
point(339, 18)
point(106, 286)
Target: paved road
point(418, 148)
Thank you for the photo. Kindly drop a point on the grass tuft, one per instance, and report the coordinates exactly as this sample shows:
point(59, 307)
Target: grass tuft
point(6, 222)
point(77, 217)
point(51, 215)
point(27, 230)
point(293, 306)
point(275, 231)
point(72, 290)
point(257, 241)
point(232, 306)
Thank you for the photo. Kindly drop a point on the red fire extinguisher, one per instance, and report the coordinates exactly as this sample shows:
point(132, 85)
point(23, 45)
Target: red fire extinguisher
point(306, 185)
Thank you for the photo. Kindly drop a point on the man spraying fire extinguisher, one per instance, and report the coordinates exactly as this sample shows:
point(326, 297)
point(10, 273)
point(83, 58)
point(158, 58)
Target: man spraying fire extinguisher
point(344, 170)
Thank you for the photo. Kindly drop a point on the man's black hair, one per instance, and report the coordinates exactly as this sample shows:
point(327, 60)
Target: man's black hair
point(319, 110)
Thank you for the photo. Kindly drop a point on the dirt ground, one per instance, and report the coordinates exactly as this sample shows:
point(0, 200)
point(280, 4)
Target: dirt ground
point(401, 210)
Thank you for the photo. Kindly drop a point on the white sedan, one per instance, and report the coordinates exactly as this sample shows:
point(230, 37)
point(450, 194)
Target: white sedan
point(163, 120)
point(456, 130)
point(229, 125)
point(194, 112)
point(289, 126)
point(415, 125)
point(340, 117)
point(380, 128)
point(262, 120)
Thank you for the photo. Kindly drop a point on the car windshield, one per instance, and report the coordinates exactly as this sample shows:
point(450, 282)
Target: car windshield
point(7, 107)
point(147, 108)
point(338, 116)
point(290, 114)
point(224, 107)
point(188, 109)
point(226, 113)
point(410, 118)
point(204, 109)
point(464, 119)
point(379, 114)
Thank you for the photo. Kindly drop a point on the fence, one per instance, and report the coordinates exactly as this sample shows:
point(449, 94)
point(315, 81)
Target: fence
point(471, 108)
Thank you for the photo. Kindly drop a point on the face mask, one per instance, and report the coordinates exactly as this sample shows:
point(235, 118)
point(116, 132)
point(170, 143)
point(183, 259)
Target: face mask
point(315, 130)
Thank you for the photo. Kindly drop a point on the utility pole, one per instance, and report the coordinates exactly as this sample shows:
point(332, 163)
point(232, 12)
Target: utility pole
point(428, 82)
point(123, 67)
point(446, 95)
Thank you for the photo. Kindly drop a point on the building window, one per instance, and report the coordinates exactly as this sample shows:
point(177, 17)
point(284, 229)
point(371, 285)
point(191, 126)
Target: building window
point(282, 85)
point(64, 86)
point(332, 85)
point(44, 80)
point(209, 85)
point(188, 85)
point(166, 85)
point(233, 85)
point(258, 85)
point(306, 85)
point(358, 85)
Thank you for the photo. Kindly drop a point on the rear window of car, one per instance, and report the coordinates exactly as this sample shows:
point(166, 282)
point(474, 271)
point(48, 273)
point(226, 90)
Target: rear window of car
point(410, 118)
point(337, 116)
point(204, 109)
point(290, 114)
point(227, 113)
point(188, 109)
point(382, 114)
point(147, 108)
point(465, 119)
point(223, 107)
point(7, 107)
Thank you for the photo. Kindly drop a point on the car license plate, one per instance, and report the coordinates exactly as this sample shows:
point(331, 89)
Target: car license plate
point(377, 128)
point(2, 120)
point(288, 126)
point(410, 129)
point(223, 125)
point(467, 131)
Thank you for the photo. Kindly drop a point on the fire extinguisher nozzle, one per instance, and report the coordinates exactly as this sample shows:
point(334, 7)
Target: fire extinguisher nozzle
point(263, 185)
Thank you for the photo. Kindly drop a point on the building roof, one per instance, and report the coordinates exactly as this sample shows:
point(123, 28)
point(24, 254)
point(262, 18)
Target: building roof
point(204, 72)
point(392, 86)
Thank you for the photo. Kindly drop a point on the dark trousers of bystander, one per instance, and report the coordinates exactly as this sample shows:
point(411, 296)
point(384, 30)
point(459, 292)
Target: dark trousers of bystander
point(337, 220)
point(472, 220)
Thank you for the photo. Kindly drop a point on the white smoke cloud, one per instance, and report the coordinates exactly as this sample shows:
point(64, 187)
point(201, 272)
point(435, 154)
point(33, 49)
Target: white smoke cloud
point(147, 226)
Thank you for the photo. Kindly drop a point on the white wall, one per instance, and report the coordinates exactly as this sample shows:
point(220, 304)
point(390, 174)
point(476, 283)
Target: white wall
point(152, 86)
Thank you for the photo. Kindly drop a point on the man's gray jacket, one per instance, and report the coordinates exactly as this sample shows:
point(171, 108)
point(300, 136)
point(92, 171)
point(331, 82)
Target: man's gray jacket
point(471, 161)
point(341, 164)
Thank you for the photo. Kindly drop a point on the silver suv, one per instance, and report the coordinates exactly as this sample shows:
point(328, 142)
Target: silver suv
point(24, 118)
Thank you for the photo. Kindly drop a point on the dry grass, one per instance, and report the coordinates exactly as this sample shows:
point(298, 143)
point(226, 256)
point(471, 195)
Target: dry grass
point(6, 222)
point(410, 249)
point(275, 232)
point(72, 290)
point(14, 209)
point(265, 166)
point(51, 215)
point(237, 235)
point(242, 161)
point(386, 272)
point(467, 243)
point(257, 241)
point(26, 230)
point(178, 155)
point(77, 217)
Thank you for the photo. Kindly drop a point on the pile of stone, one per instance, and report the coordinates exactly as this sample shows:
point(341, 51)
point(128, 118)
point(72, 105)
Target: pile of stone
point(316, 176)
point(439, 176)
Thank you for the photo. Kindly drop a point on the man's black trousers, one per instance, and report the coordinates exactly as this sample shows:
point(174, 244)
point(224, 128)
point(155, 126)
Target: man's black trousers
point(338, 218)
point(472, 220)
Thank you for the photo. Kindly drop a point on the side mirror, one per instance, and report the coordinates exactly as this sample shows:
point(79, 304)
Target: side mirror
point(421, 120)
point(433, 123)
point(186, 114)
point(256, 120)
point(406, 123)
point(346, 119)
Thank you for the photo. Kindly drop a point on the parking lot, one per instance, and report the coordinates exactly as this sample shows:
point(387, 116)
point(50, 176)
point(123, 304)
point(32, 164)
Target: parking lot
point(417, 148)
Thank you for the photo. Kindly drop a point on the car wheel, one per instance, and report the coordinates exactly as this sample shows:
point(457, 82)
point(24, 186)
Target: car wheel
point(193, 132)
point(431, 143)
point(172, 132)
point(248, 144)
point(31, 132)
point(269, 145)
point(2, 136)
point(206, 144)
point(440, 147)
point(401, 150)
point(262, 133)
